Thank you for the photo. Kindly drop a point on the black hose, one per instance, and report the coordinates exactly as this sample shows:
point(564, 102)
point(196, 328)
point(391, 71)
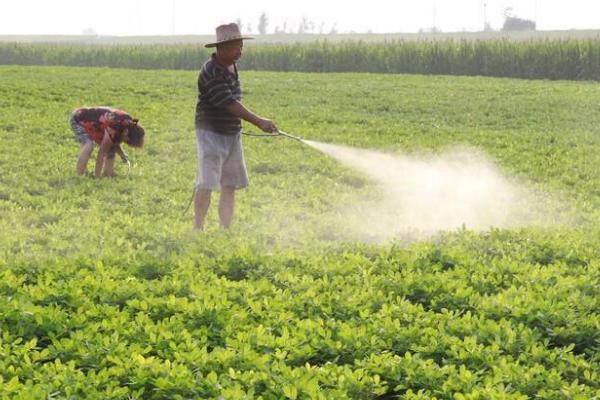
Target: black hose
point(190, 202)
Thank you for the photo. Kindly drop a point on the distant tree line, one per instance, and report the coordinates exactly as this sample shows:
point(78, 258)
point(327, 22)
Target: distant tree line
point(306, 25)
point(511, 23)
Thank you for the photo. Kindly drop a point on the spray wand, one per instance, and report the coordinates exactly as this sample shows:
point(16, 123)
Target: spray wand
point(279, 133)
point(291, 136)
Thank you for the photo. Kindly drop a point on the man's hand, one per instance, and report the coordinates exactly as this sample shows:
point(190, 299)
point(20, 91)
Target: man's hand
point(266, 125)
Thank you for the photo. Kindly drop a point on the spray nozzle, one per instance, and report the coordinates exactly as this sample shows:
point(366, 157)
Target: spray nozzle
point(290, 136)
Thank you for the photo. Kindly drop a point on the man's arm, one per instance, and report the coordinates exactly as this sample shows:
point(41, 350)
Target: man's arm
point(238, 109)
point(105, 147)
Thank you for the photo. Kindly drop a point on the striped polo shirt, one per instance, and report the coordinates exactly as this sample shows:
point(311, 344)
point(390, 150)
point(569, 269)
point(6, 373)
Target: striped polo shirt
point(217, 88)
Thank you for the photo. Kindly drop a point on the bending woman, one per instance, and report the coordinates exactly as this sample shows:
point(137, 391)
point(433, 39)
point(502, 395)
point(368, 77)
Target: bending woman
point(108, 127)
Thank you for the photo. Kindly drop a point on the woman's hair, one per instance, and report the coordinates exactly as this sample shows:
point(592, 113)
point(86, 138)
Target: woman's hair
point(135, 138)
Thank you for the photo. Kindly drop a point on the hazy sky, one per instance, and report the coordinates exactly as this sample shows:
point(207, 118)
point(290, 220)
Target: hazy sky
point(164, 17)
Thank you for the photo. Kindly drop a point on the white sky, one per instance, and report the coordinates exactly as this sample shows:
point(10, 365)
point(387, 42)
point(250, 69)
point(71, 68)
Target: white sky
point(165, 17)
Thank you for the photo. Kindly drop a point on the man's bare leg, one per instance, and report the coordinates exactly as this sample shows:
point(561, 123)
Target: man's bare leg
point(84, 156)
point(201, 203)
point(226, 206)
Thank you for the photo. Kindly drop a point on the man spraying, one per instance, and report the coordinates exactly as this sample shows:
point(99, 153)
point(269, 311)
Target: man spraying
point(219, 112)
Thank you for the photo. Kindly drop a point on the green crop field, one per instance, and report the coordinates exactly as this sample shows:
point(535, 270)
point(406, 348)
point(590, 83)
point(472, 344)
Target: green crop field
point(572, 58)
point(107, 293)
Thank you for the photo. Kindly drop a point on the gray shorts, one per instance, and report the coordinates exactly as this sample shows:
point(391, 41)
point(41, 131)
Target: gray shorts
point(83, 137)
point(221, 161)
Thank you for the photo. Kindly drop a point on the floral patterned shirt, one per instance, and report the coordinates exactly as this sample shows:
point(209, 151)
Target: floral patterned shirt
point(97, 119)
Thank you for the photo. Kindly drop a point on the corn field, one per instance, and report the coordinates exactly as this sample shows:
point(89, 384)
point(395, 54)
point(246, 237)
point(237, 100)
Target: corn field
point(571, 59)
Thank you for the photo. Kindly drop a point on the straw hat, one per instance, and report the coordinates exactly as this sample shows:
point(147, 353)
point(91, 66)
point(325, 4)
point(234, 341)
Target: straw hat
point(227, 33)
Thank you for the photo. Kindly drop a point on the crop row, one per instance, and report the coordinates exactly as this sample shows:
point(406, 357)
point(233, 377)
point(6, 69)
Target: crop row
point(429, 322)
point(575, 59)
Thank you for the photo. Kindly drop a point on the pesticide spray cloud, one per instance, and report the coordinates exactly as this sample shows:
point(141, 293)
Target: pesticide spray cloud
point(424, 195)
